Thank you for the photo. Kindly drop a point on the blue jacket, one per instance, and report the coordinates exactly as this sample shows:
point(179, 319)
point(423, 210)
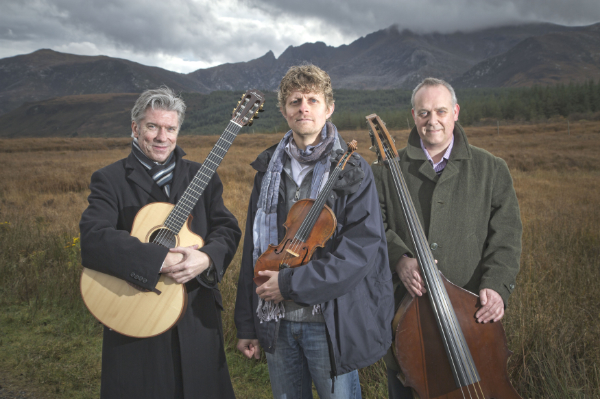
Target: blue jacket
point(349, 277)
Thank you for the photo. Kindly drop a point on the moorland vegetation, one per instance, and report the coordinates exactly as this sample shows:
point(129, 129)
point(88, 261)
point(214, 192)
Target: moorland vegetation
point(50, 344)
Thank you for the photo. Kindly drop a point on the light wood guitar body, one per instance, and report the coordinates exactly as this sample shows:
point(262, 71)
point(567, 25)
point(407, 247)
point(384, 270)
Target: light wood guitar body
point(127, 310)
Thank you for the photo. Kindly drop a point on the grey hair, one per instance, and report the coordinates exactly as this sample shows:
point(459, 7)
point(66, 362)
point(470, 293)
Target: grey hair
point(162, 98)
point(433, 82)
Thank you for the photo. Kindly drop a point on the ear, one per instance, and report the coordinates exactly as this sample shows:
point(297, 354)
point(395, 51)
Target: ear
point(282, 110)
point(134, 129)
point(412, 112)
point(456, 111)
point(330, 111)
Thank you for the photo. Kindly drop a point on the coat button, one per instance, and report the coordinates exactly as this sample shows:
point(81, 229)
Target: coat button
point(434, 246)
point(512, 286)
point(132, 274)
point(145, 280)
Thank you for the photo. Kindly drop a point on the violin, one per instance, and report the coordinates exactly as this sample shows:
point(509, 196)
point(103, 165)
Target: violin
point(309, 224)
point(441, 349)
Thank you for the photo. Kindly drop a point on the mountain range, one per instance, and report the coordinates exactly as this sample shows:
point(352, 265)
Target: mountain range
point(508, 56)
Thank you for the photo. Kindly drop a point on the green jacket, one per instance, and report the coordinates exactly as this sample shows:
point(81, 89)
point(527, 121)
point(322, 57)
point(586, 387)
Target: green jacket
point(469, 213)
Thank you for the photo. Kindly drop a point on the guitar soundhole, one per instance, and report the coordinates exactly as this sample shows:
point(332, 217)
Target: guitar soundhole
point(164, 237)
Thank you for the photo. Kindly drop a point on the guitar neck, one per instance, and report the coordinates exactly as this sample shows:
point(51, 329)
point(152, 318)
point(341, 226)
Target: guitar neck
point(196, 188)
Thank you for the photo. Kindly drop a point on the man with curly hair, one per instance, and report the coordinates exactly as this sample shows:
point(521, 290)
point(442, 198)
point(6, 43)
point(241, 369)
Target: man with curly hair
point(322, 321)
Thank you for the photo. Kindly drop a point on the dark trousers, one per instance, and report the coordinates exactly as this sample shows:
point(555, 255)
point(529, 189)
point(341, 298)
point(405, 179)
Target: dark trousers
point(395, 388)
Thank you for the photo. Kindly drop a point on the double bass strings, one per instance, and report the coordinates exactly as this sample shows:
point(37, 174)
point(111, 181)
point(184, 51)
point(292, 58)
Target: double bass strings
point(429, 274)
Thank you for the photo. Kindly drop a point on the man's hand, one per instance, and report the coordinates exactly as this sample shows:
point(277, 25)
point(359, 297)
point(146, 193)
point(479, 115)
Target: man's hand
point(410, 275)
point(184, 263)
point(249, 347)
point(492, 306)
point(269, 291)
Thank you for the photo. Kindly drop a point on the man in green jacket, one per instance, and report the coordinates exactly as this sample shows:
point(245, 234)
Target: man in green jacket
point(466, 203)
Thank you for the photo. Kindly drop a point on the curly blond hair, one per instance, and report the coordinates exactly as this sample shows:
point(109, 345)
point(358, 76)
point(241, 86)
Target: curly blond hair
point(305, 78)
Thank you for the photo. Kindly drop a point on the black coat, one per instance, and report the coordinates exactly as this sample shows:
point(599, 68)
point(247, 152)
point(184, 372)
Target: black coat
point(190, 355)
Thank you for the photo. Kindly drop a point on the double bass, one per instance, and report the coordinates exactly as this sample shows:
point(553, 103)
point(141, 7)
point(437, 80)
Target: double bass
point(441, 349)
point(309, 224)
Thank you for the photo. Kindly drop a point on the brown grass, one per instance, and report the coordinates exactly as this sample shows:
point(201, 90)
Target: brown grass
point(553, 324)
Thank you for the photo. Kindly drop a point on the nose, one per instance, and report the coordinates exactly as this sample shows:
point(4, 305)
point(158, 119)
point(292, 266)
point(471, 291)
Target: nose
point(304, 105)
point(431, 120)
point(161, 135)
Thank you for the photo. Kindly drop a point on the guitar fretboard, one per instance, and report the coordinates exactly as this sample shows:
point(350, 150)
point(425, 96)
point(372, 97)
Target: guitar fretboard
point(190, 197)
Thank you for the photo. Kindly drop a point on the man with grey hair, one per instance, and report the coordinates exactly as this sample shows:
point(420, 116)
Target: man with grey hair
point(188, 360)
point(467, 205)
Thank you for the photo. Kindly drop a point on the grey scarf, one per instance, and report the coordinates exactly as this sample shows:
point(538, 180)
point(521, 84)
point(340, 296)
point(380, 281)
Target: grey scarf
point(162, 174)
point(264, 230)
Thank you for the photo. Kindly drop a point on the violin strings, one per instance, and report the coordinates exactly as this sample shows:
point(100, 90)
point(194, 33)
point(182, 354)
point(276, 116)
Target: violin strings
point(316, 209)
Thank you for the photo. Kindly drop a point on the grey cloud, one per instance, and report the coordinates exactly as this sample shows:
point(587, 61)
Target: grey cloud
point(359, 17)
point(214, 32)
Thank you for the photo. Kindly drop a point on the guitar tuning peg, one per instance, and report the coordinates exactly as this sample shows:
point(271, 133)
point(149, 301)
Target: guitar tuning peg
point(233, 110)
point(372, 148)
point(376, 162)
point(256, 117)
point(261, 109)
point(250, 123)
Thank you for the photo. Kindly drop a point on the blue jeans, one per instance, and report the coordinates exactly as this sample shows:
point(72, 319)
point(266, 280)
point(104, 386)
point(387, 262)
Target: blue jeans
point(302, 357)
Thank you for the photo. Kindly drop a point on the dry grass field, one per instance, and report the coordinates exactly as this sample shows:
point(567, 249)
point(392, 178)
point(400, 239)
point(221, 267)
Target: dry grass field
point(50, 343)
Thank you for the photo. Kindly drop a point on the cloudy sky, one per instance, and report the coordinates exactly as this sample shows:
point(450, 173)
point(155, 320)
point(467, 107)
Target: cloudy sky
point(185, 35)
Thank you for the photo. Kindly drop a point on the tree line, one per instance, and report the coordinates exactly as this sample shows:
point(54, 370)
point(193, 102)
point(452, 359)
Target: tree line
point(208, 114)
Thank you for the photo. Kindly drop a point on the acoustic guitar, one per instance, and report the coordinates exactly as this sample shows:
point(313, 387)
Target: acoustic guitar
point(131, 310)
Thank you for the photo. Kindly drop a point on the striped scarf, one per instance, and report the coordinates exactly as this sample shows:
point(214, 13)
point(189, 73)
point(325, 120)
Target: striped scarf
point(264, 230)
point(162, 174)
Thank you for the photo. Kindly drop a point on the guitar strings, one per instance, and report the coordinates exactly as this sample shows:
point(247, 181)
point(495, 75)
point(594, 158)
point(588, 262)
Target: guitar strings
point(180, 213)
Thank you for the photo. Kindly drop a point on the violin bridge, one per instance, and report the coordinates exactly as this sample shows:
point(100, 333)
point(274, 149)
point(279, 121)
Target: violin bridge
point(292, 253)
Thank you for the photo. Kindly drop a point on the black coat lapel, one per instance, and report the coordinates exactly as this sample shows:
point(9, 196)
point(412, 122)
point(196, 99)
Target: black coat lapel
point(180, 173)
point(137, 174)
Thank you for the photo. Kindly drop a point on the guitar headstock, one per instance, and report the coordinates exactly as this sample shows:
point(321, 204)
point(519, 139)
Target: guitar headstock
point(383, 143)
point(248, 107)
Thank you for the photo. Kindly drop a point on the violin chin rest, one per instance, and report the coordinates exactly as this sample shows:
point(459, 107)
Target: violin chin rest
point(260, 280)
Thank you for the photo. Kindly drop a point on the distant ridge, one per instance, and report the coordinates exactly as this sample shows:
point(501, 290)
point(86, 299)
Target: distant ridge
point(386, 59)
point(50, 84)
point(557, 57)
point(46, 74)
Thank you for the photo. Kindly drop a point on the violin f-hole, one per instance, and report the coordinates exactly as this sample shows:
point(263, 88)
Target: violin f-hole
point(282, 247)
